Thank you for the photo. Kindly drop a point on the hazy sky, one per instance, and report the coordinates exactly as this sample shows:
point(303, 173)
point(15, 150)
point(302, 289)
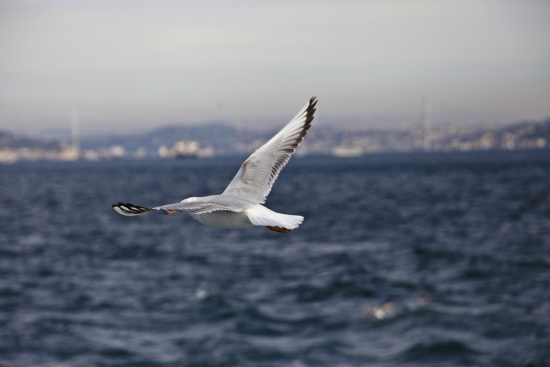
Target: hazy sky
point(134, 65)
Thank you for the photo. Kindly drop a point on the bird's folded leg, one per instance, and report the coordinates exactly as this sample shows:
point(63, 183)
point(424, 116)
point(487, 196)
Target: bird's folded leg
point(278, 229)
point(168, 212)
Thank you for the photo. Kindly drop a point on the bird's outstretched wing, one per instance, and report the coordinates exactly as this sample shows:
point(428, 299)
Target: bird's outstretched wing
point(131, 210)
point(258, 173)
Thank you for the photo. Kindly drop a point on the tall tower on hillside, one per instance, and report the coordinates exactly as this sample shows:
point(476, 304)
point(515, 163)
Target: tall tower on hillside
point(75, 128)
point(72, 152)
point(426, 124)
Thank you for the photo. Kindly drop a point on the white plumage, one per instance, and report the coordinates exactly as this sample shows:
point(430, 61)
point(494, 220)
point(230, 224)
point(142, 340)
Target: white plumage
point(240, 205)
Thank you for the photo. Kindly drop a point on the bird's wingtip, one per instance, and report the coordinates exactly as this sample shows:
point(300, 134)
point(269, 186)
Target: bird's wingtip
point(130, 210)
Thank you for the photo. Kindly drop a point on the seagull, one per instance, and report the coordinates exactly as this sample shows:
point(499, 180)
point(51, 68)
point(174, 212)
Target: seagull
point(240, 205)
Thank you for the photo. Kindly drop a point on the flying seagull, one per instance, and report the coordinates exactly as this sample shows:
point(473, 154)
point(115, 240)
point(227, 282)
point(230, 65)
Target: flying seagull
point(240, 205)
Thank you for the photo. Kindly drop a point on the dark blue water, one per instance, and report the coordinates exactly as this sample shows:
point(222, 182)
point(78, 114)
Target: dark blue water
point(403, 260)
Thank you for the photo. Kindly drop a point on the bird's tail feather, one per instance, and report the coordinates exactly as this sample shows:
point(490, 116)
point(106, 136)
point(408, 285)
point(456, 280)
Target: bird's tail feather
point(262, 216)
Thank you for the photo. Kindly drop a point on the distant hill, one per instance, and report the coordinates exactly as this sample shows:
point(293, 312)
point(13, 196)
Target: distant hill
point(14, 141)
point(224, 138)
point(518, 136)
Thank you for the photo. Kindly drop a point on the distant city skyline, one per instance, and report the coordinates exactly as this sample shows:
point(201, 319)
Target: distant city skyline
point(134, 66)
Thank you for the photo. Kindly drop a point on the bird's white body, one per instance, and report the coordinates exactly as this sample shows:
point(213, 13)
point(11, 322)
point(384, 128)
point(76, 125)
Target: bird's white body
point(240, 205)
point(221, 219)
point(258, 215)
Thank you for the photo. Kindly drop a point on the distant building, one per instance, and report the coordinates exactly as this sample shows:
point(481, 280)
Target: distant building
point(347, 152)
point(163, 152)
point(69, 153)
point(8, 156)
point(185, 149)
point(116, 151)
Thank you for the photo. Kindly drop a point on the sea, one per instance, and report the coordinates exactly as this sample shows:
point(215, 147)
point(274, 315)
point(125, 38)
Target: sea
point(421, 259)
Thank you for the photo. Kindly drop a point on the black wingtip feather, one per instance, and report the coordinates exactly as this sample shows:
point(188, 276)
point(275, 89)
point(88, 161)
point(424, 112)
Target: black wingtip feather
point(131, 208)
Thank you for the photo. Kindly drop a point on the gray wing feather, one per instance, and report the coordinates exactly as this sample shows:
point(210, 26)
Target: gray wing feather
point(197, 207)
point(131, 210)
point(257, 174)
